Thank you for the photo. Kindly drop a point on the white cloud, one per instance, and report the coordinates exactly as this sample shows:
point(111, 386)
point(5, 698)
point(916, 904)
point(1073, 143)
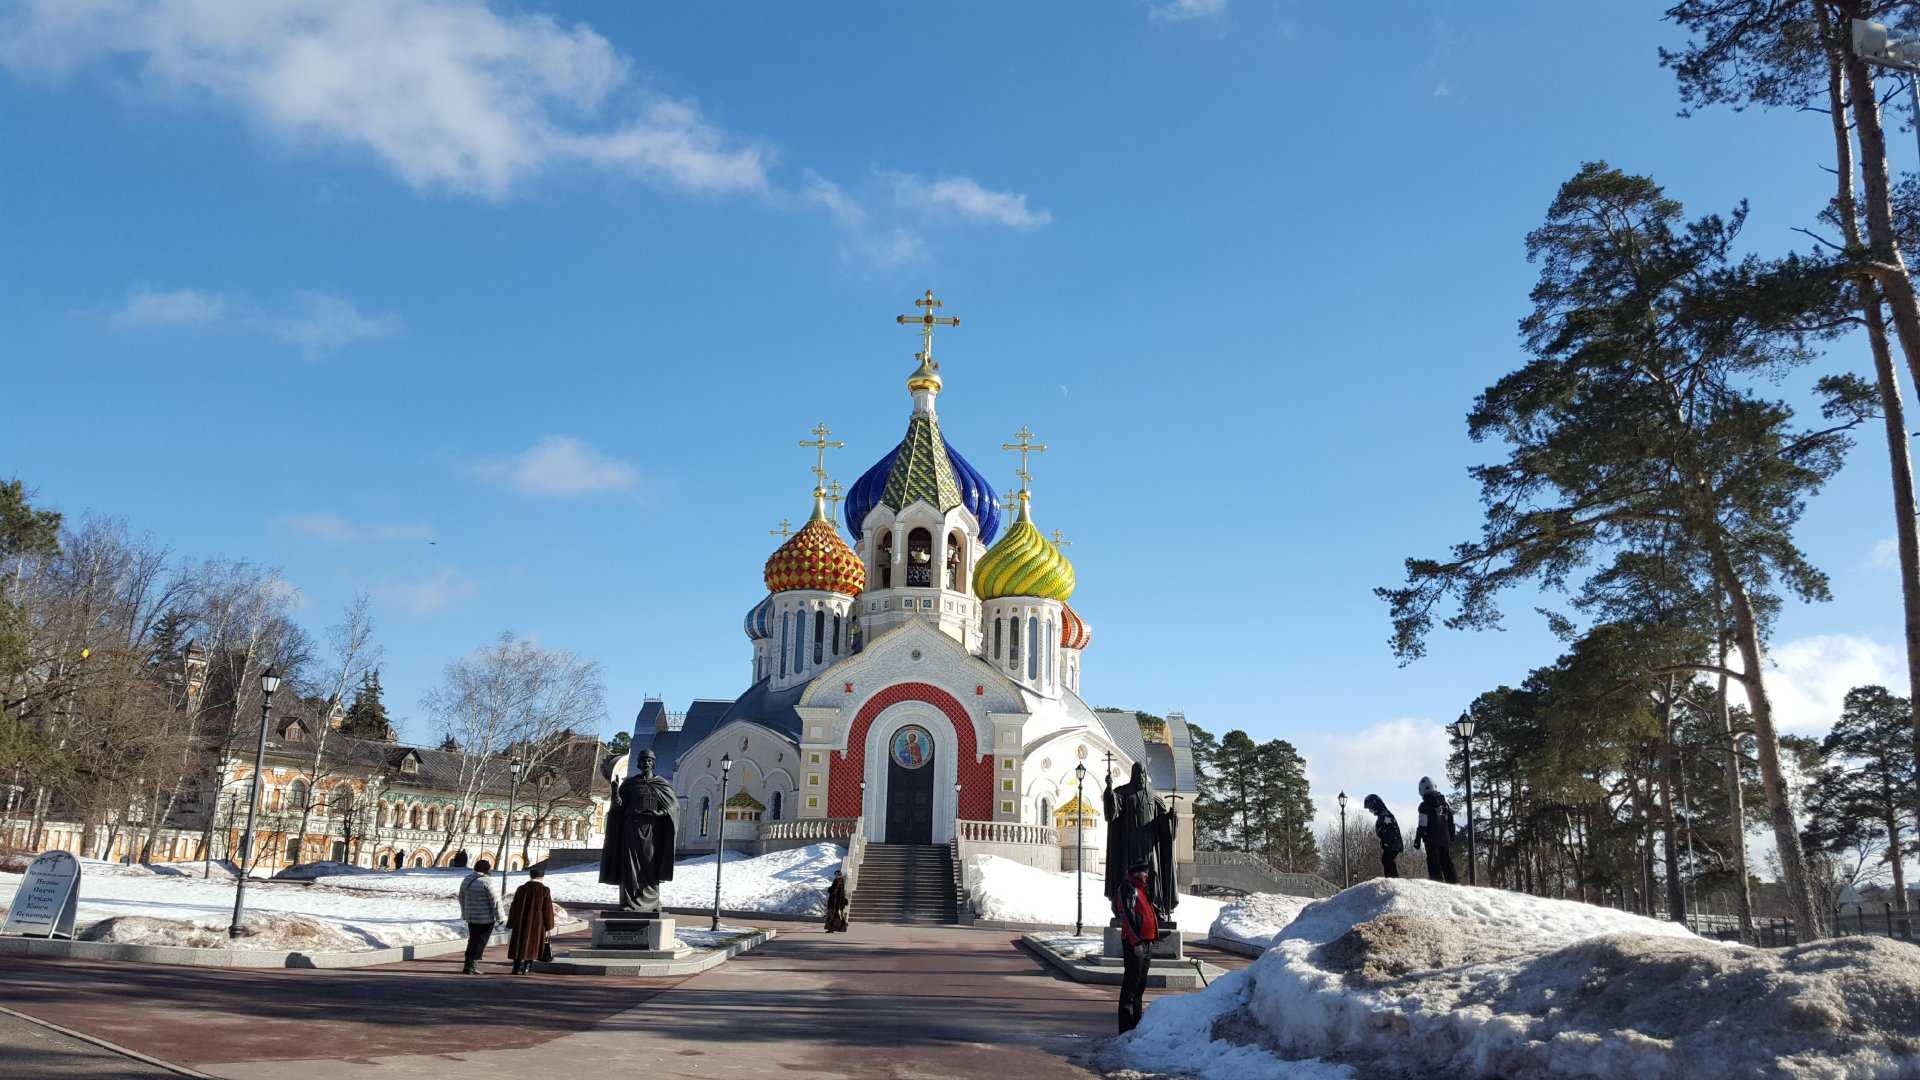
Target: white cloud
point(1442, 90)
point(427, 595)
point(279, 590)
point(563, 467)
point(1808, 678)
point(1885, 554)
point(449, 94)
point(333, 528)
point(1183, 10)
point(831, 197)
point(893, 247)
point(965, 197)
point(147, 308)
point(1387, 758)
point(320, 322)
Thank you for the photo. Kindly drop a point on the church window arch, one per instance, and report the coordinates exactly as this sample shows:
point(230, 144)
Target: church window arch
point(706, 806)
point(419, 817)
point(433, 817)
point(883, 555)
point(999, 633)
point(1033, 647)
point(836, 633)
point(800, 643)
point(1051, 640)
point(953, 560)
point(819, 634)
point(1013, 644)
point(786, 617)
point(919, 559)
point(775, 806)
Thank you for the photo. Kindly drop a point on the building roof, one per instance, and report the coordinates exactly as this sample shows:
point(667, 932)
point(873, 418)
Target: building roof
point(1167, 754)
point(924, 467)
point(575, 765)
point(1023, 563)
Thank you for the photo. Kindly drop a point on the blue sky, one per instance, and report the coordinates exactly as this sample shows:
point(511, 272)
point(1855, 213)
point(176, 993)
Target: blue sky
point(560, 287)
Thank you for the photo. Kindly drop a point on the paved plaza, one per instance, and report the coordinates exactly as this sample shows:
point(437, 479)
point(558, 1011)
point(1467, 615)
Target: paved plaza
point(892, 1001)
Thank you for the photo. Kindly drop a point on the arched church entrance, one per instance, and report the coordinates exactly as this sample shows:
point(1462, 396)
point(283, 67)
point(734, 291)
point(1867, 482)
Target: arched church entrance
point(910, 774)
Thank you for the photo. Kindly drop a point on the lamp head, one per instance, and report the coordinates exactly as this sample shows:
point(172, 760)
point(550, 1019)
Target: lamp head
point(515, 767)
point(1080, 771)
point(726, 763)
point(1343, 800)
point(269, 681)
point(1464, 726)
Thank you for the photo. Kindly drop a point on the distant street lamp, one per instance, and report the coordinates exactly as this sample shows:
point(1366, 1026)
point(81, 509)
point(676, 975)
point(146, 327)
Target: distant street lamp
point(720, 844)
point(269, 682)
point(1079, 845)
point(1872, 44)
point(514, 769)
point(1463, 727)
point(1346, 870)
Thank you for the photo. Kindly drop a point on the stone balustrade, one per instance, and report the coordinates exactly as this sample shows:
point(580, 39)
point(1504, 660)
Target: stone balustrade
point(1037, 846)
point(799, 832)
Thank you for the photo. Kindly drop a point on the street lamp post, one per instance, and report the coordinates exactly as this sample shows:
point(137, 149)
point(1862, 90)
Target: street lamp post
point(1079, 845)
point(269, 682)
point(514, 769)
point(1346, 868)
point(1463, 727)
point(720, 843)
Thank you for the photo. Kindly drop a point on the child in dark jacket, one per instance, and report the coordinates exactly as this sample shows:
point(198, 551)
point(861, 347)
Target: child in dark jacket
point(1388, 830)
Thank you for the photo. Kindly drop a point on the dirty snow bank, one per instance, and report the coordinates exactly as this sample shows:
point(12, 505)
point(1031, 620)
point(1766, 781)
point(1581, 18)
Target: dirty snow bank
point(264, 930)
point(1420, 978)
point(1003, 890)
point(1257, 919)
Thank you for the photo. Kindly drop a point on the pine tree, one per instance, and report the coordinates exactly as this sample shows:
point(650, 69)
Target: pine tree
point(1860, 799)
point(367, 716)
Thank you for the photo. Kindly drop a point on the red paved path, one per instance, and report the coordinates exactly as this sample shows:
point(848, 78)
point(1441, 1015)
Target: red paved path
point(884, 1001)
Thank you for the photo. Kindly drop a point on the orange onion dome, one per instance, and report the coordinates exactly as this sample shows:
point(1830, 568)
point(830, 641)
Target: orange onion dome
point(1074, 631)
point(816, 558)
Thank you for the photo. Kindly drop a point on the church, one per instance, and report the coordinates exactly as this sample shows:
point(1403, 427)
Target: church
point(921, 684)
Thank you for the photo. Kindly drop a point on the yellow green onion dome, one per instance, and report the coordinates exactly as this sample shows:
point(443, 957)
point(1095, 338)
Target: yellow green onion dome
point(1023, 563)
point(816, 558)
point(1074, 631)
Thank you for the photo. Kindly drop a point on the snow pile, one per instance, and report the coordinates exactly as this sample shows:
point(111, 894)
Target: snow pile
point(1257, 919)
point(1084, 947)
point(264, 930)
point(792, 882)
point(1420, 978)
point(1003, 890)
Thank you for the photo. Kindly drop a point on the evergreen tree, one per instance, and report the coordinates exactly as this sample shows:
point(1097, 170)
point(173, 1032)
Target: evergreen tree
point(367, 715)
point(1859, 801)
point(1212, 811)
point(621, 742)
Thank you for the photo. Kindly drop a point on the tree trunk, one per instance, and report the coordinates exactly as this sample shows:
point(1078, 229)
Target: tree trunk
point(1873, 156)
point(1676, 894)
point(1736, 805)
point(1786, 832)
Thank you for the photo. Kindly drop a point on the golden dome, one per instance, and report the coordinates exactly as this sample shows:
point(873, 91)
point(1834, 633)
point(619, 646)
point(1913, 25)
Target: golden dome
point(816, 558)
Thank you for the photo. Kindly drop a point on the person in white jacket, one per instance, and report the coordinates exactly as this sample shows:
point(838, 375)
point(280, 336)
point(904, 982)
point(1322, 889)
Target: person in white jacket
point(481, 909)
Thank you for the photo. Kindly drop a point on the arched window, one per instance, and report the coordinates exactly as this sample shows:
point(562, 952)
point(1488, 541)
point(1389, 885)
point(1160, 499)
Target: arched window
point(776, 806)
point(342, 800)
point(786, 617)
point(919, 559)
point(1013, 644)
point(800, 643)
point(836, 634)
point(297, 795)
point(819, 634)
point(419, 818)
point(706, 804)
point(999, 629)
point(1051, 640)
point(433, 817)
point(953, 561)
point(1033, 647)
point(1046, 812)
point(883, 554)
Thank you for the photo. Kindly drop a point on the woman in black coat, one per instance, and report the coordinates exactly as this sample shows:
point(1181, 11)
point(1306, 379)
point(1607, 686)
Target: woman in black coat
point(837, 904)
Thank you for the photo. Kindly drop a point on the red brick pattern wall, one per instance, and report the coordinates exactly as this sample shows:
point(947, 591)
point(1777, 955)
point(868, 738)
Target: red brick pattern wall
point(849, 766)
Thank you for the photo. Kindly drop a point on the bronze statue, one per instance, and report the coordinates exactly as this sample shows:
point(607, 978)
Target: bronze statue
point(1140, 829)
point(638, 852)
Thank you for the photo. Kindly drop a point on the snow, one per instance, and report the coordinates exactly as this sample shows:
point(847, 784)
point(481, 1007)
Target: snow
point(1002, 890)
point(791, 882)
point(1257, 919)
point(1083, 947)
point(333, 906)
point(1401, 977)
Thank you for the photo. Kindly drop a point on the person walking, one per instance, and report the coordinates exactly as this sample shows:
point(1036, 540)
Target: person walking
point(481, 910)
point(1436, 830)
point(838, 905)
point(529, 921)
point(1139, 929)
point(1387, 828)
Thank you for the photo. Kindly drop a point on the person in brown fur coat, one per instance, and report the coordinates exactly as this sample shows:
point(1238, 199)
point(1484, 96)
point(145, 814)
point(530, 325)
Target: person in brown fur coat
point(529, 921)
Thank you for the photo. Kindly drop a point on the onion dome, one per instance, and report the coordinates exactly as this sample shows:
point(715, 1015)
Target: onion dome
point(1074, 631)
point(759, 621)
point(924, 467)
point(816, 558)
point(1023, 563)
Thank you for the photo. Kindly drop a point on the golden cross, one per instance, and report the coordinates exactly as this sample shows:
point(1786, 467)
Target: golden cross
point(1025, 445)
point(820, 444)
point(835, 494)
point(785, 530)
point(926, 321)
point(1060, 540)
point(1010, 502)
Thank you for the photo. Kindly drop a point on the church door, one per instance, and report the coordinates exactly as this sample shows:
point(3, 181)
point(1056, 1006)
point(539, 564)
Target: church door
point(910, 786)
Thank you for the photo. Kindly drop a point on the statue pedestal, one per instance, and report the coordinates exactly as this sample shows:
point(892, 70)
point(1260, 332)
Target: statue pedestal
point(1169, 947)
point(642, 934)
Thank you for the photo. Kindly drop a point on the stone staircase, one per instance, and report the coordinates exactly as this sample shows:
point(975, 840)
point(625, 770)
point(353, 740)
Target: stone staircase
point(906, 883)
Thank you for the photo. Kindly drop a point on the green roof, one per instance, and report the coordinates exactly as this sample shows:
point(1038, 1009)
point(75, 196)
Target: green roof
point(921, 471)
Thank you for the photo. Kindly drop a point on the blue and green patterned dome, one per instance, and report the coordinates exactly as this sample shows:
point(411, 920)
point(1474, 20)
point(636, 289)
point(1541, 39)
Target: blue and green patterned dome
point(924, 467)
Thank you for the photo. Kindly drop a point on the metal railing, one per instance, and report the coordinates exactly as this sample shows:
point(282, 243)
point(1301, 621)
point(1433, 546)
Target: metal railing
point(1251, 868)
point(1007, 832)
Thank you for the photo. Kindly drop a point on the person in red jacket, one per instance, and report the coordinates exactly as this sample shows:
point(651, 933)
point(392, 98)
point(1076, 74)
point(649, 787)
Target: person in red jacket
point(1139, 929)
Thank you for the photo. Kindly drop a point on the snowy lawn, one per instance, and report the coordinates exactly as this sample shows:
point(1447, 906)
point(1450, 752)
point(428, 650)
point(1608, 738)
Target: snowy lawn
point(1256, 920)
point(169, 905)
point(1003, 890)
point(792, 882)
point(1085, 947)
point(1417, 978)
